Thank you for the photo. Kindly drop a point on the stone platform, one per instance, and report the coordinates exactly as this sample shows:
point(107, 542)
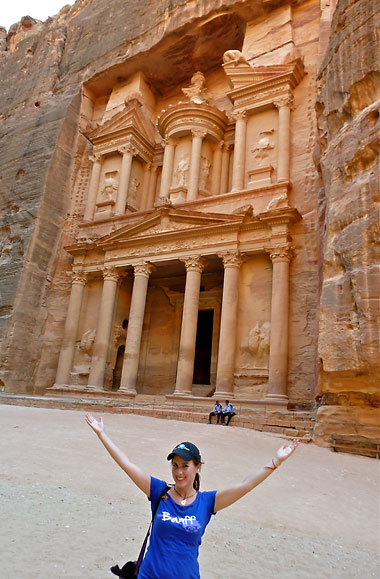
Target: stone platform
point(257, 415)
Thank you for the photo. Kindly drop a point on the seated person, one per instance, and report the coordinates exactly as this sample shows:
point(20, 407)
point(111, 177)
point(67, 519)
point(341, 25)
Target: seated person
point(229, 411)
point(216, 411)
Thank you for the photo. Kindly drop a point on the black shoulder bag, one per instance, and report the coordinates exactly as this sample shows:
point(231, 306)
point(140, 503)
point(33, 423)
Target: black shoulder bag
point(131, 569)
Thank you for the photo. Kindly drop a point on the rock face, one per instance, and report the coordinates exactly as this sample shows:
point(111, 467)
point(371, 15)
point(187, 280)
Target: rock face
point(100, 72)
point(348, 103)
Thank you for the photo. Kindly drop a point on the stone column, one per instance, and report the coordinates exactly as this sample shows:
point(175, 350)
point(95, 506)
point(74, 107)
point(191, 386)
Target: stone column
point(135, 324)
point(283, 143)
point(216, 169)
point(167, 167)
point(225, 169)
point(185, 368)
point(152, 187)
point(70, 332)
point(195, 164)
point(103, 329)
point(93, 188)
point(145, 187)
point(125, 173)
point(238, 169)
point(278, 353)
point(228, 323)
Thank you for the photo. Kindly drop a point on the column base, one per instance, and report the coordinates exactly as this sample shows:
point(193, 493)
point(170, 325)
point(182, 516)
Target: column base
point(127, 392)
point(222, 395)
point(183, 393)
point(59, 387)
point(276, 399)
point(92, 388)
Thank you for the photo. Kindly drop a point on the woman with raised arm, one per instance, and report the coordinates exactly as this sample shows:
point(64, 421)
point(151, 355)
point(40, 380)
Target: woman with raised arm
point(184, 511)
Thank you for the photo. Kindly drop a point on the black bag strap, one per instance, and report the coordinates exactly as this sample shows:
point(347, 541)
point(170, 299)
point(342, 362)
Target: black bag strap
point(142, 551)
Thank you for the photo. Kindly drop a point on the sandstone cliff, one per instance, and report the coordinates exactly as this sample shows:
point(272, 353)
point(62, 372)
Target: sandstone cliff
point(348, 102)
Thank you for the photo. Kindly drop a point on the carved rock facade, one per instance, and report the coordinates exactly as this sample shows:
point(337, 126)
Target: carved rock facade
point(174, 180)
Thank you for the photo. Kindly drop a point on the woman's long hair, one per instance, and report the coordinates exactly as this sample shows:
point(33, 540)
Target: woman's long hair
point(197, 480)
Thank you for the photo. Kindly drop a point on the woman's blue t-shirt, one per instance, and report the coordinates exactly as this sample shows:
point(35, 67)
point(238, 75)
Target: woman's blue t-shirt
point(176, 535)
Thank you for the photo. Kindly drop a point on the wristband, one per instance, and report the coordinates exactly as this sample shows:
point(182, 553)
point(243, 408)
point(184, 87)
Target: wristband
point(274, 467)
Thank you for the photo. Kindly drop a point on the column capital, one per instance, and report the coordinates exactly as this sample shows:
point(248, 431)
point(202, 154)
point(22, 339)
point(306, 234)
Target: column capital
point(239, 115)
point(110, 273)
point(280, 253)
point(285, 101)
point(201, 133)
point(95, 158)
point(127, 148)
point(168, 141)
point(232, 259)
point(220, 145)
point(78, 277)
point(143, 269)
point(194, 263)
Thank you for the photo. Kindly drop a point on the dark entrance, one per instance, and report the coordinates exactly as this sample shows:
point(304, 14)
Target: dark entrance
point(203, 345)
point(118, 368)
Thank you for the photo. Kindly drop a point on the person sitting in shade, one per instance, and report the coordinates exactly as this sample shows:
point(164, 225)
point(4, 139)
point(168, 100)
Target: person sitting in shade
point(216, 411)
point(229, 411)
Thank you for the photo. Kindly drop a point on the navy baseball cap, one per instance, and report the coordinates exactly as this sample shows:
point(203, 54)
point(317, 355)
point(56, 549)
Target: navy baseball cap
point(187, 451)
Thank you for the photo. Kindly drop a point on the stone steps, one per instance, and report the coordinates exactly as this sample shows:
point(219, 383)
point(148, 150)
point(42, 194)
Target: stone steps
point(284, 422)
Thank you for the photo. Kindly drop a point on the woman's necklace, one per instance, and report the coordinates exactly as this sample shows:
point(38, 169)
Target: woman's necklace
point(184, 499)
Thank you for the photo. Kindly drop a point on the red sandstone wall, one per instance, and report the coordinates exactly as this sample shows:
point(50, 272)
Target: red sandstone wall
point(348, 103)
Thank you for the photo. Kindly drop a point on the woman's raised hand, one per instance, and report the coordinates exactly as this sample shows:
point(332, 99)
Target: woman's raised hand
point(96, 425)
point(286, 450)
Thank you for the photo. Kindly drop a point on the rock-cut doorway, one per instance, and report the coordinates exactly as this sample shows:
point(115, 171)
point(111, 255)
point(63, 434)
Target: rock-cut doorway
point(203, 347)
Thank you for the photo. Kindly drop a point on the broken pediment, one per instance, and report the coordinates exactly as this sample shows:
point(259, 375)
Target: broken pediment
point(166, 220)
point(241, 74)
point(130, 121)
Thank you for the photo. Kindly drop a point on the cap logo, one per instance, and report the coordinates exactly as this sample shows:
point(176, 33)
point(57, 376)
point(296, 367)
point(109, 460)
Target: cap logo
point(183, 446)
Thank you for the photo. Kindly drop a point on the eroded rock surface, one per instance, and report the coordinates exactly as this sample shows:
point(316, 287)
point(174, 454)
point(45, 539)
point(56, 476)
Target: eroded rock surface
point(348, 105)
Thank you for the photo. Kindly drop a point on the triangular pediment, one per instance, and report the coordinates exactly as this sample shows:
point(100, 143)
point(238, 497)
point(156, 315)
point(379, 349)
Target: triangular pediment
point(242, 74)
point(130, 119)
point(166, 221)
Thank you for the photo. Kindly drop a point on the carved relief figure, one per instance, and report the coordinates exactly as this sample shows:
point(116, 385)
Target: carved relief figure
point(277, 202)
point(133, 187)
point(255, 347)
point(234, 56)
point(84, 352)
point(181, 173)
point(110, 185)
point(197, 92)
point(204, 172)
point(264, 145)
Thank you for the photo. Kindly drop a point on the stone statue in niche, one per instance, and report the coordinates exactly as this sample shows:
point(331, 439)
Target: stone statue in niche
point(204, 172)
point(264, 145)
point(278, 202)
point(255, 347)
point(132, 192)
point(84, 353)
point(181, 173)
point(197, 92)
point(110, 185)
point(234, 56)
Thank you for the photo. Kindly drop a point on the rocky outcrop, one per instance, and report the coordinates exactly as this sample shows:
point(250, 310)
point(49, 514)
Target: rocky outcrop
point(348, 105)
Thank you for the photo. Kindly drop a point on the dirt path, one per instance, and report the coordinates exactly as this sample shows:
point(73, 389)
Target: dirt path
point(67, 511)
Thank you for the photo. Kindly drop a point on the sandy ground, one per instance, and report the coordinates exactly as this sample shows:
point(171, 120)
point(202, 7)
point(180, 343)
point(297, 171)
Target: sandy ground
point(67, 511)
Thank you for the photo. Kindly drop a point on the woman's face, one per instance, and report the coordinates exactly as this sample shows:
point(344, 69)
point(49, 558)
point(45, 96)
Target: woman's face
point(183, 472)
